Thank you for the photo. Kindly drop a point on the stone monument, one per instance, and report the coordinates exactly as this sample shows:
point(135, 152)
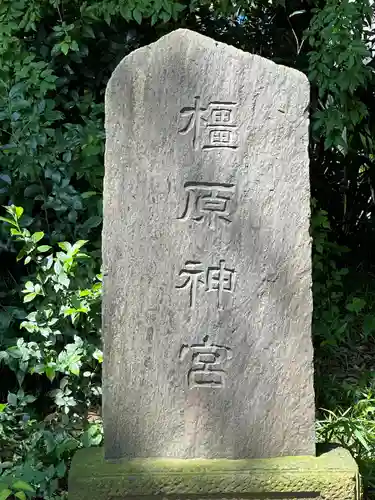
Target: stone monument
point(207, 283)
point(206, 247)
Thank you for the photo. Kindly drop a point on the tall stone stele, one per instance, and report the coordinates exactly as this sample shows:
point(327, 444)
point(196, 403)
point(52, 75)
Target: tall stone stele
point(207, 289)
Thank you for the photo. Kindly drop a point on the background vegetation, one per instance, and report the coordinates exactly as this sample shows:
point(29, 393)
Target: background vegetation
point(55, 59)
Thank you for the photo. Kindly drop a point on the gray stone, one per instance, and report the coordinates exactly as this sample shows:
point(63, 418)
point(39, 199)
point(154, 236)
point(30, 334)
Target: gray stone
point(206, 247)
point(330, 476)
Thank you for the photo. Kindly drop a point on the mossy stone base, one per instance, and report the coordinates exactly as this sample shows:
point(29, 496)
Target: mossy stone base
point(331, 476)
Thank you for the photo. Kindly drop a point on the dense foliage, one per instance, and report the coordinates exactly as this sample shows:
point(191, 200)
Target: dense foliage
point(55, 59)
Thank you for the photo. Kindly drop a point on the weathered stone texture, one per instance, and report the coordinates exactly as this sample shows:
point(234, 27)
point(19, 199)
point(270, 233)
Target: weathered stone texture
point(331, 476)
point(206, 247)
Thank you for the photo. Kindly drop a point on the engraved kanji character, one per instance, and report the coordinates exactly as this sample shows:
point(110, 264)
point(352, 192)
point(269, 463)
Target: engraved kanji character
point(220, 137)
point(221, 116)
point(222, 126)
point(207, 363)
point(193, 272)
point(221, 280)
point(208, 200)
point(195, 117)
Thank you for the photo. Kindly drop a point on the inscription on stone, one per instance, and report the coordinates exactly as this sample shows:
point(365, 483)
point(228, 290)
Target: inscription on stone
point(207, 363)
point(217, 120)
point(220, 280)
point(208, 201)
point(207, 255)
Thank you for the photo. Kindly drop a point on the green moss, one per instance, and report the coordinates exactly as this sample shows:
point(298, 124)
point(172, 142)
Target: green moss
point(338, 458)
point(331, 476)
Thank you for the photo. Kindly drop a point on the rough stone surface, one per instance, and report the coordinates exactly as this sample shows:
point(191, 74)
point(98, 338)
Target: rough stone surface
point(331, 476)
point(206, 247)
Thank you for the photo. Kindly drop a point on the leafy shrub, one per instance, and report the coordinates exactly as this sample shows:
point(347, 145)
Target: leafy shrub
point(343, 327)
point(354, 429)
point(59, 344)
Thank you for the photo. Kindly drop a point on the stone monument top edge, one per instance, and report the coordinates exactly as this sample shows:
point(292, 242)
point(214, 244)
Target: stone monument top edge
point(182, 36)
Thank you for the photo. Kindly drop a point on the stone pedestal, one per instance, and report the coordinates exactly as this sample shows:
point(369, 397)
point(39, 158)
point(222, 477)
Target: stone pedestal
point(330, 476)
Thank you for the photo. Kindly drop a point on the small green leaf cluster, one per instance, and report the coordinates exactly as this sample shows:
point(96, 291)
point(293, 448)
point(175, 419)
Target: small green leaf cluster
point(14, 489)
point(354, 429)
point(35, 454)
point(60, 342)
point(139, 10)
point(341, 313)
point(344, 332)
point(339, 36)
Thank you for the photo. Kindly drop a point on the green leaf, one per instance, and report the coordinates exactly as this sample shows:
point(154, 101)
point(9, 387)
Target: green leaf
point(88, 31)
point(21, 495)
point(107, 17)
point(165, 16)
point(356, 305)
point(369, 325)
point(82, 255)
point(43, 248)
point(49, 261)
point(64, 47)
point(50, 371)
point(5, 178)
point(67, 156)
point(12, 399)
point(21, 254)
point(178, 7)
point(98, 354)
point(297, 13)
point(168, 7)
point(57, 267)
point(14, 352)
point(96, 440)
point(29, 297)
point(32, 190)
point(9, 221)
point(19, 212)
point(65, 245)
point(61, 470)
point(37, 236)
point(4, 494)
point(361, 439)
point(79, 244)
point(154, 18)
point(93, 221)
point(69, 311)
point(22, 485)
point(68, 445)
point(28, 259)
point(137, 15)
point(74, 368)
point(6, 147)
point(29, 286)
point(88, 194)
point(30, 399)
point(126, 12)
point(63, 280)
